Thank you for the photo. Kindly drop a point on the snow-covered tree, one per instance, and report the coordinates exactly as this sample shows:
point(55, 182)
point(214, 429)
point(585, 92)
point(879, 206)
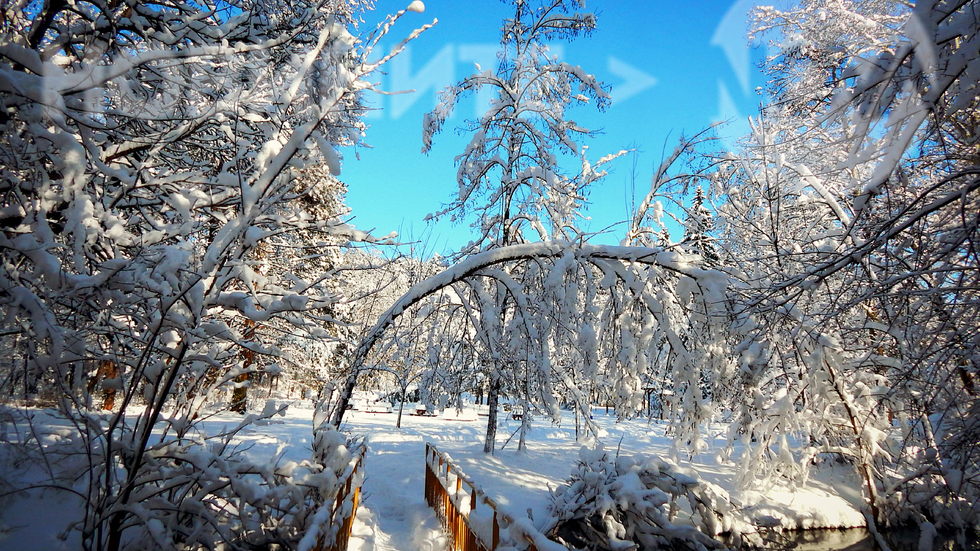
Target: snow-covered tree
point(610, 302)
point(555, 319)
point(318, 351)
point(150, 152)
point(684, 169)
point(697, 231)
point(853, 217)
point(510, 175)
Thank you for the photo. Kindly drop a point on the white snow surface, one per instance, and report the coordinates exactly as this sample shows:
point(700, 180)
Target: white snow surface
point(522, 481)
point(393, 514)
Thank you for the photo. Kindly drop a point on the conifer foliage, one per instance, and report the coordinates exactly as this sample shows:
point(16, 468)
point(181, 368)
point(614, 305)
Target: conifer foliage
point(698, 227)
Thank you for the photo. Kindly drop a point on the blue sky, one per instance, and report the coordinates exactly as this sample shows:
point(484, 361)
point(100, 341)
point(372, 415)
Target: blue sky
point(674, 68)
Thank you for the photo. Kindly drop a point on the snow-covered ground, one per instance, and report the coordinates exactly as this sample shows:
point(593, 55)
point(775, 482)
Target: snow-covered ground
point(521, 481)
point(393, 513)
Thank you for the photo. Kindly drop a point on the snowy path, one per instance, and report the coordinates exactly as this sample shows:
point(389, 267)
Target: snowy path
point(393, 515)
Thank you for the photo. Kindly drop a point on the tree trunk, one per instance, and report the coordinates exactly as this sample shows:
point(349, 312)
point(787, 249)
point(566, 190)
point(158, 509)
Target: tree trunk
point(344, 399)
point(492, 397)
point(108, 370)
point(401, 406)
point(865, 468)
point(576, 422)
point(525, 425)
point(239, 397)
point(966, 379)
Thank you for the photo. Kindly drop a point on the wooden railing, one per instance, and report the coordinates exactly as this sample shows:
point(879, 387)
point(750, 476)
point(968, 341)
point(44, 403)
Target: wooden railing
point(344, 508)
point(444, 483)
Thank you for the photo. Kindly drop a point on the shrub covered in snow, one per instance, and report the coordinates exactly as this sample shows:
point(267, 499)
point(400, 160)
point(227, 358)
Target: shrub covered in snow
point(194, 491)
point(619, 503)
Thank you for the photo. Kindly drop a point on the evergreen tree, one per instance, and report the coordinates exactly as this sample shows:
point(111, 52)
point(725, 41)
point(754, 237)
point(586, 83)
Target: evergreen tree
point(697, 233)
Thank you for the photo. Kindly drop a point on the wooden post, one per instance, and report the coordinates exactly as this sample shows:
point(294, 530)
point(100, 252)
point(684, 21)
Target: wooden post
point(428, 477)
point(459, 515)
point(445, 498)
point(471, 542)
point(350, 521)
point(345, 524)
point(496, 533)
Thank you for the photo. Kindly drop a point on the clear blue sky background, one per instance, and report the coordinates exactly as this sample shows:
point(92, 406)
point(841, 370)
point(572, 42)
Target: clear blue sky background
point(674, 68)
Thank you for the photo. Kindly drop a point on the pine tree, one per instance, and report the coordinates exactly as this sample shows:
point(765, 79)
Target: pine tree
point(697, 233)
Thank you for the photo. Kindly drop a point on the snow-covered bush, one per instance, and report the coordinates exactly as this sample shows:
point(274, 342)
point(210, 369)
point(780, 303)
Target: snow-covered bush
point(203, 490)
point(622, 503)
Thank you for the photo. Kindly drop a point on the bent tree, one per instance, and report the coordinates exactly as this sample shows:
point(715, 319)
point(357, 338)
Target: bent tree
point(552, 318)
point(612, 302)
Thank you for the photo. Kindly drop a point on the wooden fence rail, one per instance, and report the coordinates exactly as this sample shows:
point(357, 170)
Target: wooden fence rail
point(444, 483)
point(336, 530)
